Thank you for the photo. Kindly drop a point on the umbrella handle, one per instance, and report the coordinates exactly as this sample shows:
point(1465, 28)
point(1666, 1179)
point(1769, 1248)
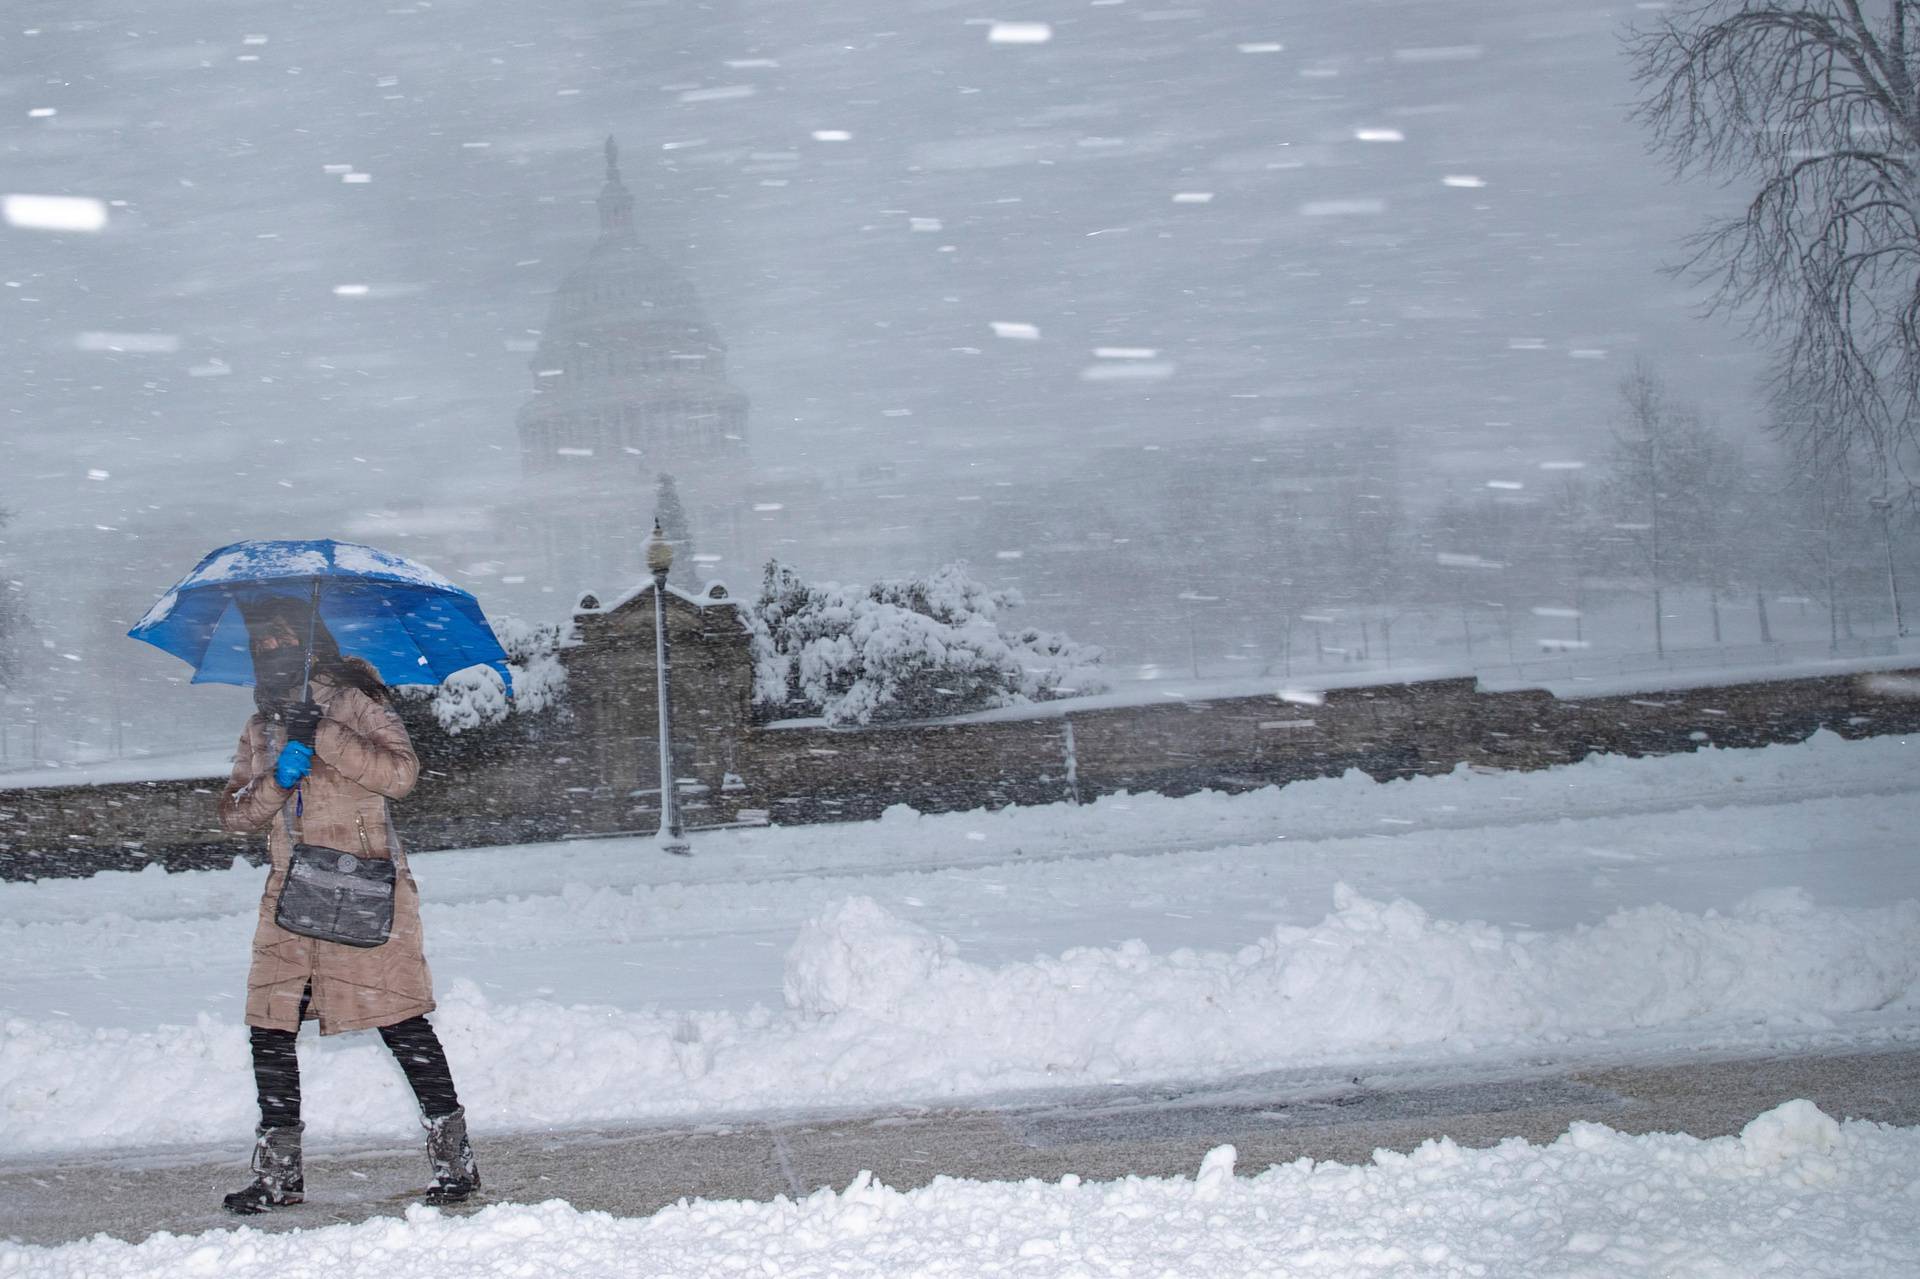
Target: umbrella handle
point(313, 616)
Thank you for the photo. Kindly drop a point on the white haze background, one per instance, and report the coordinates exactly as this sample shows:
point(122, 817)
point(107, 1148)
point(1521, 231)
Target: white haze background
point(1430, 219)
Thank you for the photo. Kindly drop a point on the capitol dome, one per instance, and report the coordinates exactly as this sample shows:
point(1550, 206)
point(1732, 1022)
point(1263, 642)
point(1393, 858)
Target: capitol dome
point(629, 372)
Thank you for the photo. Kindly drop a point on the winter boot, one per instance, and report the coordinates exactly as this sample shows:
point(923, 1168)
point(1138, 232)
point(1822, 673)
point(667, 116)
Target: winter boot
point(278, 1178)
point(455, 1176)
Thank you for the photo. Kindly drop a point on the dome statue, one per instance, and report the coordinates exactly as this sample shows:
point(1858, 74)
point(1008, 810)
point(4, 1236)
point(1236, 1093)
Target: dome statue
point(629, 373)
point(629, 385)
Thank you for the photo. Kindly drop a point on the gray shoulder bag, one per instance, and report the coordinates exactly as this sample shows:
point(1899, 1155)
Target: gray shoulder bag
point(334, 896)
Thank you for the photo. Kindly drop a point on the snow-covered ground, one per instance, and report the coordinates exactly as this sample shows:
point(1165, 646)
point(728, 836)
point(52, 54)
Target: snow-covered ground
point(1795, 1194)
point(1611, 908)
point(1731, 898)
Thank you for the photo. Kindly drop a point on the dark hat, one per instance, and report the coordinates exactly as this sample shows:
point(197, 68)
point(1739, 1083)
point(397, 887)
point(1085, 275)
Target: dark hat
point(263, 612)
point(274, 610)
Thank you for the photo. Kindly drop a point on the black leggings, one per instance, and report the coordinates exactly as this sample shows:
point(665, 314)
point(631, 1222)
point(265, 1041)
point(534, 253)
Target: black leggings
point(276, 1070)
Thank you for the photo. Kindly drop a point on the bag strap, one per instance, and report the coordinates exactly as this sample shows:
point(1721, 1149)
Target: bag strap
point(394, 848)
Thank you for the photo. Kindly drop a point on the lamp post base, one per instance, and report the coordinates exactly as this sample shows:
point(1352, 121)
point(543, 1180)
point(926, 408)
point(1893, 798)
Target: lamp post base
point(668, 842)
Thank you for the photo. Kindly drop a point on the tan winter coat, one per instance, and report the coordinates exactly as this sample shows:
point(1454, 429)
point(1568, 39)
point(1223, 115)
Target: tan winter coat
point(362, 758)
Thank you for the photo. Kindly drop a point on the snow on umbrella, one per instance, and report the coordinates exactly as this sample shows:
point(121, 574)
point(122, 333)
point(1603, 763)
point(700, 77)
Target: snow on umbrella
point(412, 624)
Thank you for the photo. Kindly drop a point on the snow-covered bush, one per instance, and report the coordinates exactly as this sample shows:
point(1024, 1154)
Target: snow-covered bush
point(905, 649)
point(475, 697)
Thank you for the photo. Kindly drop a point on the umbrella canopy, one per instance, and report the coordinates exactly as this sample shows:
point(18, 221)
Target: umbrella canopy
point(412, 624)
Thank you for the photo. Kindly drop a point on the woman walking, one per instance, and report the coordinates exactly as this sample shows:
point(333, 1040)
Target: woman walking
point(320, 772)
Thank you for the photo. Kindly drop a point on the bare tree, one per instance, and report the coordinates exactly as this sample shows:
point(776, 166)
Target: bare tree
point(1832, 541)
point(1815, 103)
point(1633, 490)
point(13, 622)
point(1758, 539)
point(1707, 473)
point(1673, 491)
point(1828, 562)
point(1572, 539)
point(1506, 554)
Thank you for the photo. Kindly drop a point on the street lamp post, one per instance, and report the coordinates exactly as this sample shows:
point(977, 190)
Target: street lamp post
point(669, 838)
point(1884, 505)
point(1193, 636)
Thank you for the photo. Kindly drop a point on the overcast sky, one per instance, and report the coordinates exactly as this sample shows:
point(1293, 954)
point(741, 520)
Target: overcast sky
point(337, 234)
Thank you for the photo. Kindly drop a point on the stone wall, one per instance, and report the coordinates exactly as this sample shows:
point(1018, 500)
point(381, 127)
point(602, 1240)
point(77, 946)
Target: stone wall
point(59, 831)
point(592, 771)
point(1233, 744)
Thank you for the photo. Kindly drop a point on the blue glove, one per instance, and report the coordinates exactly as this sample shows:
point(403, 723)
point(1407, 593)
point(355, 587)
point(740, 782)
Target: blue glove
point(295, 762)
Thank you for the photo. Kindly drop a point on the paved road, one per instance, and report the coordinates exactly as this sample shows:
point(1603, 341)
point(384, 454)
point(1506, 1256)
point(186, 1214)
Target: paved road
point(1099, 1135)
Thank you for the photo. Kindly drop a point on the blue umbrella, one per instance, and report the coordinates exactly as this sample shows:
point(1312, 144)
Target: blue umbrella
point(412, 624)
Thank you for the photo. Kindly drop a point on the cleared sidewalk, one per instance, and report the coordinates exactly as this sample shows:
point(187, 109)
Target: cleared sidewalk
point(1099, 1135)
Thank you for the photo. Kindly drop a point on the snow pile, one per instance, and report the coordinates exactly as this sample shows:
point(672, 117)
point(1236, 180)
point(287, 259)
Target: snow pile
point(1789, 1132)
point(859, 956)
point(881, 1010)
point(1796, 1193)
point(914, 648)
point(1372, 977)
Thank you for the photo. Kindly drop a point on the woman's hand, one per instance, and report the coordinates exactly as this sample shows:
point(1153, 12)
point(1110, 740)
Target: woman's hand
point(295, 762)
point(301, 719)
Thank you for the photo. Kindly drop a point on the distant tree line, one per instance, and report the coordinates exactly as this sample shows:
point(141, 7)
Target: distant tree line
point(1680, 504)
point(1317, 548)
